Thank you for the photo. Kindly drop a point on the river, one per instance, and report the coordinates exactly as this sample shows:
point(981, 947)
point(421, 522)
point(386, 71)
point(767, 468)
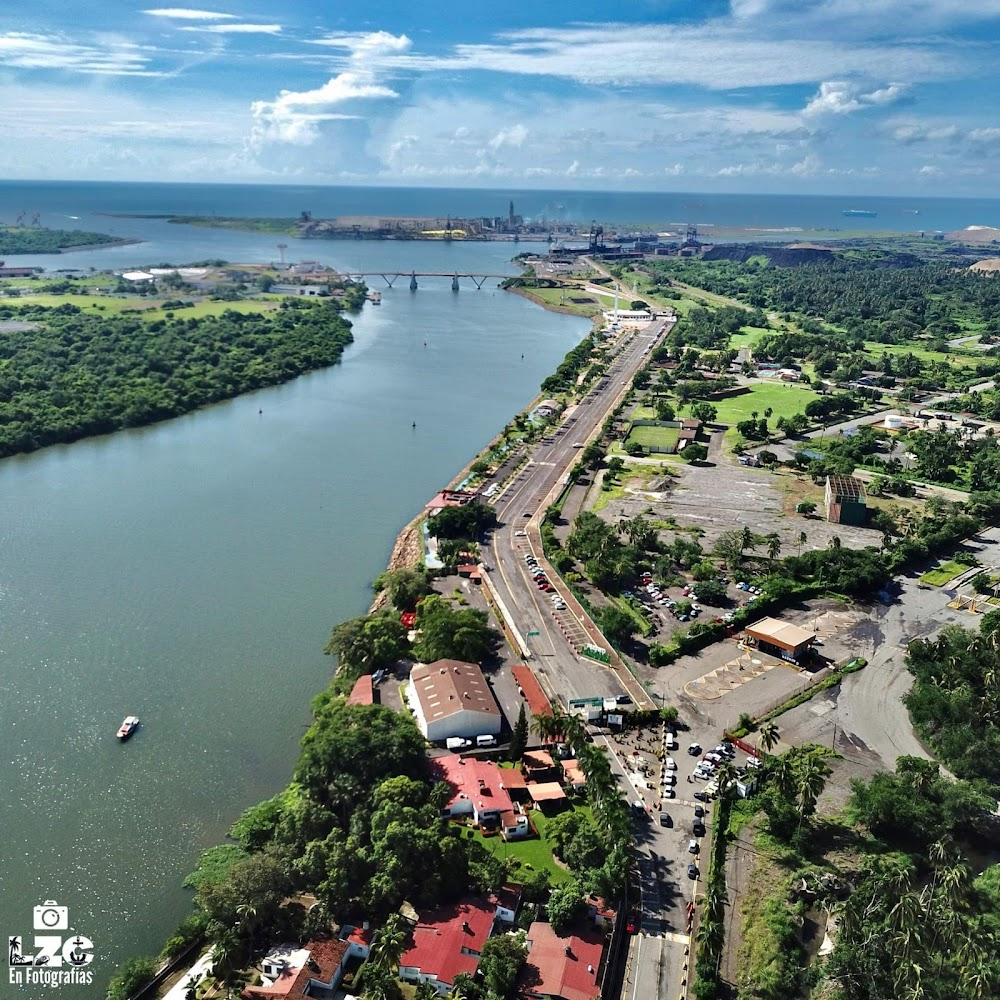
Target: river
point(190, 572)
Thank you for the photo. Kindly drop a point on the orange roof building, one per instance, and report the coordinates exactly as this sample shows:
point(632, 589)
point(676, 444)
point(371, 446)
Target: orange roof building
point(563, 968)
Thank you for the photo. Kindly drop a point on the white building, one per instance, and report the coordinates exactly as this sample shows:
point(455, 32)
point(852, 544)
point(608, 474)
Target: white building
point(452, 698)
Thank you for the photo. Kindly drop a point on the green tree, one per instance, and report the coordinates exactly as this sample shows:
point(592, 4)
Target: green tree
point(369, 642)
point(565, 905)
point(501, 961)
point(618, 625)
point(403, 587)
point(467, 521)
point(450, 633)
point(519, 736)
point(705, 412)
point(694, 452)
point(805, 508)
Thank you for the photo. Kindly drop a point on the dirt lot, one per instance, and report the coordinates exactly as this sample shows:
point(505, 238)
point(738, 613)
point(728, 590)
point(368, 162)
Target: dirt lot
point(721, 495)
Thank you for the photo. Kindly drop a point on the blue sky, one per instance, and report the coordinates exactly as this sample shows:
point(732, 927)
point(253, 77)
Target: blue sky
point(810, 96)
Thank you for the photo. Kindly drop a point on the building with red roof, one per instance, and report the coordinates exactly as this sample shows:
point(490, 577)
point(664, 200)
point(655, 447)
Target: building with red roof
point(563, 968)
point(532, 691)
point(447, 942)
point(476, 785)
point(450, 498)
point(289, 973)
point(363, 692)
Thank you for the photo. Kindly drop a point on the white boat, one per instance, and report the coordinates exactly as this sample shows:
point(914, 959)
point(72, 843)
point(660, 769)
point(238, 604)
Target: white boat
point(128, 727)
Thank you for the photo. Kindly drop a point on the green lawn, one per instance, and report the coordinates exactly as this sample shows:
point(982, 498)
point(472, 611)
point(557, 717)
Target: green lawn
point(535, 853)
point(783, 398)
point(940, 575)
point(747, 337)
point(560, 297)
point(150, 307)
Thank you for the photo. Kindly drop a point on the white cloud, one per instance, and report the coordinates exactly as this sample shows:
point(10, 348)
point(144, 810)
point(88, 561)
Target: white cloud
point(913, 132)
point(573, 169)
point(929, 171)
point(115, 57)
point(984, 136)
point(235, 29)
point(295, 116)
point(187, 14)
point(841, 97)
point(512, 137)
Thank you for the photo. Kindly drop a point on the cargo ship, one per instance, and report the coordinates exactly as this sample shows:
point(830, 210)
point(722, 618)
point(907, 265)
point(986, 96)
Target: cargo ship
point(859, 213)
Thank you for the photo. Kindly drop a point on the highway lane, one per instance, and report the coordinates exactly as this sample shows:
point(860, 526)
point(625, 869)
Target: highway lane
point(519, 510)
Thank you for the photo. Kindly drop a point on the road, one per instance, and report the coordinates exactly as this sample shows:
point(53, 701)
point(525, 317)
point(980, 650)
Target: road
point(544, 631)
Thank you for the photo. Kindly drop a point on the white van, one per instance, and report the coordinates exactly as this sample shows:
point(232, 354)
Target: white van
point(457, 743)
point(486, 741)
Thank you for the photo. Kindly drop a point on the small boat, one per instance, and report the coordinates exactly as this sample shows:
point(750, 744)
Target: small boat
point(859, 213)
point(128, 727)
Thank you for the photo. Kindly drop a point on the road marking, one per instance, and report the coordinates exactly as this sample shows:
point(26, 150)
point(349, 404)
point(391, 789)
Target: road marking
point(677, 938)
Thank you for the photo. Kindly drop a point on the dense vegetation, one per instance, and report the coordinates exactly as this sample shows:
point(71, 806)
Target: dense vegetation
point(33, 239)
point(955, 699)
point(862, 296)
point(72, 375)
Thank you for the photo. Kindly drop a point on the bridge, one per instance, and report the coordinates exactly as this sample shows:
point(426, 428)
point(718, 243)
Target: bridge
point(390, 277)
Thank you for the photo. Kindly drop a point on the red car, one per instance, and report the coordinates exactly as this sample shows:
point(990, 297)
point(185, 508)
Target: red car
point(549, 589)
point(632, 925)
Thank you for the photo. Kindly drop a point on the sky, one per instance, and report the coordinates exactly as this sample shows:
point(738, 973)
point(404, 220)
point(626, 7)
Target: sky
point(757, 96)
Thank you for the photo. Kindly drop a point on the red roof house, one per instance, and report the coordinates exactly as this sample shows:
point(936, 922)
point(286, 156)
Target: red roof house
point(288, 972)
point(477, 787)
point(447, 942)
point(564, 968)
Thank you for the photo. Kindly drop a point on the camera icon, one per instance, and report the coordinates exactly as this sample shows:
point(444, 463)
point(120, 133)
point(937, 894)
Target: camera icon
point(50, 916)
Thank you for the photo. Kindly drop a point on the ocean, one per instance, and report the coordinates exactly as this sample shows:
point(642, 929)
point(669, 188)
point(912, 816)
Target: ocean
point(71, 204)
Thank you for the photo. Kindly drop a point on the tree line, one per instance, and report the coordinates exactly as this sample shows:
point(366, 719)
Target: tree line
point(72, 375)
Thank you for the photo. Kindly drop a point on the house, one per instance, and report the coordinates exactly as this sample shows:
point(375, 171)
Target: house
point(513, 783)
point(562, 968)
point(476, 786)
point(359, 940)
point(291, 973)
point(538, 765)
point(599, 911)
point(779, 638)
point(447, 942)
point(845, 500)
point(452, 698)
point(514, 826)
point(507, 900)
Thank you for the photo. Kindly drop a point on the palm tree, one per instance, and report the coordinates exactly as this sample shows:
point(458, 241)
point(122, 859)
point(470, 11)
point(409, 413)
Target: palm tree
point(546, 727)
point(773, 546)
point(768, 736)
point(812, 781)
point(803, 538)
point(388, 947)
point(726, 776)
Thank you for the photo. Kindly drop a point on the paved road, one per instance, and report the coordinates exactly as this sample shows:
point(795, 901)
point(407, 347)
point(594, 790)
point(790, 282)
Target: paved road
point(519, 509)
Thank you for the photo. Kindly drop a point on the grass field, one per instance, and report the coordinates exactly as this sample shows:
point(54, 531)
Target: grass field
point(662, 437)
point(940, 575)
point(559, 298)
point(747, 337)
point(875, 351)
point(150, 308)
point(782, 398)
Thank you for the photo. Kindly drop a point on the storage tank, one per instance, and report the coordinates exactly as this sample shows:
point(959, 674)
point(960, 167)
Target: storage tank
point(893, 422)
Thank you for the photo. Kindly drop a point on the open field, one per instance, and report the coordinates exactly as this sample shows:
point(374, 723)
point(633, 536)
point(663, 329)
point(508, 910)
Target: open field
point(747, 337)
point(783, 398)
point(559, 298)
point(151, 308)
point(875, 351)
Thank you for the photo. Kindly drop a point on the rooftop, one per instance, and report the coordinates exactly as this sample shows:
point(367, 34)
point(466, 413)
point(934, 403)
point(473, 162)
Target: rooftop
point(533, 693)
point(319, 960)
point(562, 967)
point(847, 487)
point(546, 791)
point(435, 945)
point(479, 781)
point(780, 633)
point(450, 498)
point(363, 692)
point(447, 687)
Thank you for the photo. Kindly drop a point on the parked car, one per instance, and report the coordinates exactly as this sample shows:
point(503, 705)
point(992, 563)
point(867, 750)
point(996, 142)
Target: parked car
point(693, 847)
point(670, 741)
point(520, 534)
point(667, 793)
point(695, 749)
point(692, 871)
point(665, 819)
point(669, 779)
point(698, 829)
point(457, 743)
point(670, 764)
point(560, 605)
point(699, 811)
point(701, 796)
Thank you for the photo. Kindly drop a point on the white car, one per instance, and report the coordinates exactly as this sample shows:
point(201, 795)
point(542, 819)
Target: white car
point(520, 534)
point(669, 780)
point(670, 764)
